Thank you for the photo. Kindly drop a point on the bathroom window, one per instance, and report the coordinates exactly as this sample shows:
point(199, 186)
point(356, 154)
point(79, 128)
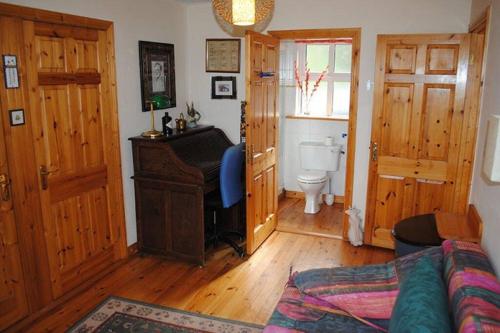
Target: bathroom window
point(320, 72)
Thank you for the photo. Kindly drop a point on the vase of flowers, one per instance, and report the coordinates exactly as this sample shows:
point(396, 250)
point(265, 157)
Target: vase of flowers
point(304, 86)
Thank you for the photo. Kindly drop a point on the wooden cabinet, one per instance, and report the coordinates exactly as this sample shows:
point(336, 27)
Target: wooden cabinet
point(170, 219)
point(63, 161)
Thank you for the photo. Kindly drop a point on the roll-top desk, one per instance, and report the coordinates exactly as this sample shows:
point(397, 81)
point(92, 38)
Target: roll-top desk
point(171, 176)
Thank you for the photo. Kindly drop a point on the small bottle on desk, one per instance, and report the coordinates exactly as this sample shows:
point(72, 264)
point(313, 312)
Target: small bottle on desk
point(165, 120)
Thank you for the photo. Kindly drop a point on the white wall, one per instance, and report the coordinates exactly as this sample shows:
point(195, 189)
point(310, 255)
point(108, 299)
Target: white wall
point(374, 17)
point(485, 195)
point(223, 113)
point(150, 20)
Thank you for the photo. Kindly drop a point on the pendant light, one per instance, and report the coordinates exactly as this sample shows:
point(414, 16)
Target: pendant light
point(243, 12)
point(237, 16)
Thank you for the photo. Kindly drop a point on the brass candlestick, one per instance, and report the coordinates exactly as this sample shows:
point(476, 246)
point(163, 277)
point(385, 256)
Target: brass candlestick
point(152, 133)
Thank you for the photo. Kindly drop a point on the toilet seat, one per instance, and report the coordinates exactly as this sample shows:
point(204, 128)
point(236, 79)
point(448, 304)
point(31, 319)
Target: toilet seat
point(312, 177)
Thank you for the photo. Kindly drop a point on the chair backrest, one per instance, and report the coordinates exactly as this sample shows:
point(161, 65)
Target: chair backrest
point(230, 175)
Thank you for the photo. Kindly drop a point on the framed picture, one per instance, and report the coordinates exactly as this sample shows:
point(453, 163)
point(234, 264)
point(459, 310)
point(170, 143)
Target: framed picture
point(223, 87)
point(16, 117)
point(223, 55)
point(11, 75)
point(157, 74)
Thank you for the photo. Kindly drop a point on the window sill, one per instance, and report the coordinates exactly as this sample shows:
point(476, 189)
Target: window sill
point(317, 118)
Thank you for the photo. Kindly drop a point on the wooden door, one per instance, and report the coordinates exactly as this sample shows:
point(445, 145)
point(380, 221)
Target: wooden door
point(262, 116)
point(13, 302)
point(75, 134)
point(421, 128)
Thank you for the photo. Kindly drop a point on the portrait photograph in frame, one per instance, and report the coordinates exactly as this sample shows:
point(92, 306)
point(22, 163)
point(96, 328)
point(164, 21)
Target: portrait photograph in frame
point(224, 87)
point(157, 65)
point(222, 55)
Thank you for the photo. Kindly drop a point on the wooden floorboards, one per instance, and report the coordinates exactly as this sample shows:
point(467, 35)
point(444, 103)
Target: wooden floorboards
point(327, 222)
point(228, 287)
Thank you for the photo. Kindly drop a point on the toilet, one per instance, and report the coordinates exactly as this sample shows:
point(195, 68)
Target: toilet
point(316, 159)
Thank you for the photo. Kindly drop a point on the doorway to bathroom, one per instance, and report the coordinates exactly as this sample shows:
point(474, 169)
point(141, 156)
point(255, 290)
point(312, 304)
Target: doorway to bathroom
point(319, 71)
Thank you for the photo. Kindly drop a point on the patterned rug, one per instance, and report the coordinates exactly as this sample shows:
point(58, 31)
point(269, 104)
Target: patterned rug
point(117, 314)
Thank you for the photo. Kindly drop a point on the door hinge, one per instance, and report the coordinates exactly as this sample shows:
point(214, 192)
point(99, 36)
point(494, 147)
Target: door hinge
point(4, 187)
point(374, 151)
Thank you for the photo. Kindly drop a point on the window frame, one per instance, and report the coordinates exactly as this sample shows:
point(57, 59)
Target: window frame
point(330, 78)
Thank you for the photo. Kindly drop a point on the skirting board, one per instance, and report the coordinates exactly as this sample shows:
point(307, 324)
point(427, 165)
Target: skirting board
point(301, 195)
point(475, 220)
point(281, 195)
point(133, 249)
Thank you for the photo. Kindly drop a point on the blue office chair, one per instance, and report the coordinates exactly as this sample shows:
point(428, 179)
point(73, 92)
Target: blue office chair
point(231, 193)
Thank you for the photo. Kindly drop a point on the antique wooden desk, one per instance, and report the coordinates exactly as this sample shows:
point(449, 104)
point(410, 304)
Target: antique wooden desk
point(171, 176)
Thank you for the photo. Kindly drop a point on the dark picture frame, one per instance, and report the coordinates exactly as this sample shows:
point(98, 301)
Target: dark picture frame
point(224, 87)
point(16, 117)
point(157, 65)
point(222, 55)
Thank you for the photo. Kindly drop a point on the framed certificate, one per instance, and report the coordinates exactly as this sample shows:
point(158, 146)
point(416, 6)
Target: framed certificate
point(223, 55)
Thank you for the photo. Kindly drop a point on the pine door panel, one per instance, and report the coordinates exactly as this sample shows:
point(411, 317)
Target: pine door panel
point(442, 59)
point(51, 54)
point(401, 58)
point(437, 116)
point(13, 301)
point(71, 129)
point(262, 119)
point(396, 120)
point(86, 56)
point(429, 196)
point(418, 130)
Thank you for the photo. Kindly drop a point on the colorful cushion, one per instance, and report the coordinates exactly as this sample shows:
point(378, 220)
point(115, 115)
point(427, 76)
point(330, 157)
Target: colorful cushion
point(422, 305)
point(473, 289)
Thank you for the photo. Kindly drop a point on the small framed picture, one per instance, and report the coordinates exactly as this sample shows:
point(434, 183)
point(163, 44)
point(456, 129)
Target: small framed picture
point(223, 87)
point(16, 117)
point(11, 75)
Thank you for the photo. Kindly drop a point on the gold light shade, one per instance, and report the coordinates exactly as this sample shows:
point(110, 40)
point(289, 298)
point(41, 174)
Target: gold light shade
point(227, 15)
point(243, 12)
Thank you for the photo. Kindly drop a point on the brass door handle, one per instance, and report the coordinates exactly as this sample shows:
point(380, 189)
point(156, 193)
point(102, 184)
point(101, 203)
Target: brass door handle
point(4, 187)
point(44, 174)
point(374, 151)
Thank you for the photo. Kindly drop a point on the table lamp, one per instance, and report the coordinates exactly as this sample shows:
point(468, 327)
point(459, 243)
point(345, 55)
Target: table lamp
point(157, 102)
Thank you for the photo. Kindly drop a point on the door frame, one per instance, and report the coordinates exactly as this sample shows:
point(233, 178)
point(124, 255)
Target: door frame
point(24, 171)
point(355, 34)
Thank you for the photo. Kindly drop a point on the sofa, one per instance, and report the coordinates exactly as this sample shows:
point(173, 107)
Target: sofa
point(363, 299)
